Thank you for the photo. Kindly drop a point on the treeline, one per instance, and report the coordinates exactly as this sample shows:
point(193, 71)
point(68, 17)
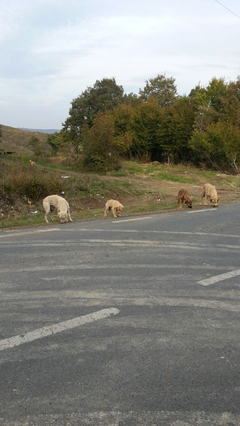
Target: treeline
point(106, 126)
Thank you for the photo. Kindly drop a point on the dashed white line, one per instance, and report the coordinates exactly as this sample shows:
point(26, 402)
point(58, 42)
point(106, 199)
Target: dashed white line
point(217, 278)
point(37, 231)
point(204, 210)
point(136, 231)
point(130, 220)
point(56, 328)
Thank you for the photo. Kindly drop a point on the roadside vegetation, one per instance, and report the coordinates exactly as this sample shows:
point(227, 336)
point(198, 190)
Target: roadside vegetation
point(140, 148)
point(141, 187)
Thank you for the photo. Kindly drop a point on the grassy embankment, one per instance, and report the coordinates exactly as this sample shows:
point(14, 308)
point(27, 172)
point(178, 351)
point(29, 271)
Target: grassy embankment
point(140, 188)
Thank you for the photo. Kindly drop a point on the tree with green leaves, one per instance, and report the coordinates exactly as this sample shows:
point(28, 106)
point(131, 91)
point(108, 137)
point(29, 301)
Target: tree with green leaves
point(36, 146)
point(209, 96)
point(123, 117)
point(216, 137)
point(56, 141)
point(175, 130)
point(209, 103)
point(162, 89)
point(219, 146)
point(104, 95)
point(144, 129)
point(101, 148)
point(131, 99)
point(231, 103)
point(123, 120)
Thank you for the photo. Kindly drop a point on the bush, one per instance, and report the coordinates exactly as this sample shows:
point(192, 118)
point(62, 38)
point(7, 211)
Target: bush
point(18, 180)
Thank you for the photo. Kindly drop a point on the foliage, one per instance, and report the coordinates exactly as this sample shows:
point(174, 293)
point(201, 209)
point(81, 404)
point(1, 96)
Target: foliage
point(123, 121)
point(131, 99)
point(163, 89)
point(144, 129)
point(106, 126)
point(141, 187)
point(36, 145)
point(219, 146)
point(56, 141)
point(175, 131)
point(101, 148)
point(216, 137)
point(104, 95)
point(231, 103)
point(158, 124)
point(123, 118)
point(19, 180)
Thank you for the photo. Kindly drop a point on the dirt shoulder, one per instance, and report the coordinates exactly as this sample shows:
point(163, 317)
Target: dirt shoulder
point(153, 188)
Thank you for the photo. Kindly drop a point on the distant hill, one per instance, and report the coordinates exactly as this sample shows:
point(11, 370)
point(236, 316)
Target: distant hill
point(17, 140)
point(40, 130)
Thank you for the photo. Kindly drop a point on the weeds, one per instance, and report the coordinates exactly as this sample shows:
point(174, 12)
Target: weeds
point(19, 180)
point(173, 178)
point(141, 188)
point(132, 167)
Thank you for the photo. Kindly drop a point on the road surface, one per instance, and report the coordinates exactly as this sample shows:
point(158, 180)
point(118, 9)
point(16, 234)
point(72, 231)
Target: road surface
point(127, 321)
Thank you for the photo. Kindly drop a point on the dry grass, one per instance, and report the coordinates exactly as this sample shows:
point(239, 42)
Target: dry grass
point(139, 187)
point(18, 140)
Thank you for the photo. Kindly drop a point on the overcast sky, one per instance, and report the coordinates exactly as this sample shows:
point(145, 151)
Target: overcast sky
point(52, 50)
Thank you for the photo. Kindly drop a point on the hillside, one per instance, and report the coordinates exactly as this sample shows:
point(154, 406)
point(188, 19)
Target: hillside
point(41, 130)
point(17, 140)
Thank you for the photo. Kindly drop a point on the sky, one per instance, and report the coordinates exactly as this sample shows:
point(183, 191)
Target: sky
point(52, 50)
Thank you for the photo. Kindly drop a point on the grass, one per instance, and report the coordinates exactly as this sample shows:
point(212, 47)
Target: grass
point(23, 220)
point(38, 218)
point(151, 207)
point(138, 186)
point(133, 168)
point(174, 178)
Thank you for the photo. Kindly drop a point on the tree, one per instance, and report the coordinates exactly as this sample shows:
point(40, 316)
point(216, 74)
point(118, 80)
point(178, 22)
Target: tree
point(104, 95)
point(216, 91)
point(36, 145)
point(163, 90)
point(101, 148)
point(144, 129)
point(231, 103)
point(211, 95)
point(131, 99)
point(209, 103)
point(56, 141)
point(175, 130)
point(123, 119)
point(219, 146)
point(217, 124)
point(199, 97)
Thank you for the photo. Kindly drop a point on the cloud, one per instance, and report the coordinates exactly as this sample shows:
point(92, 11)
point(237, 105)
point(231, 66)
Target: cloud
point(53, 50)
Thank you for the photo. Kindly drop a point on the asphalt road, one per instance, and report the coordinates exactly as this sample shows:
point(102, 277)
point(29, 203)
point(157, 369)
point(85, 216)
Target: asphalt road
point(128, 321)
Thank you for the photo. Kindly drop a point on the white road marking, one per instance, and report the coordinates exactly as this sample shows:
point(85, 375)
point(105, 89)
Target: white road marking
point(204, 210)
point(56, 328)
point(217, 278)
point(135, 231)
point(35, 231)
point(130, 220)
